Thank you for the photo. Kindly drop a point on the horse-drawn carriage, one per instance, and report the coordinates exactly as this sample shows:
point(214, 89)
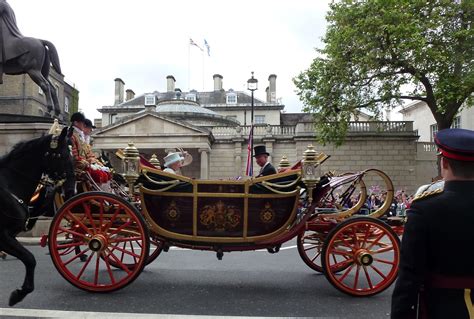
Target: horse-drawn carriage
point(112, 234)
point(101, 241)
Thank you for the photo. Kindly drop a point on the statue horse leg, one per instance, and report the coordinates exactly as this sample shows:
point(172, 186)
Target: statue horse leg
point(10, 245)
point(45, 85)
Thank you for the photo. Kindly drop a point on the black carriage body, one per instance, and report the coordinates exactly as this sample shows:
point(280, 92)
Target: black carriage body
point(183, 209)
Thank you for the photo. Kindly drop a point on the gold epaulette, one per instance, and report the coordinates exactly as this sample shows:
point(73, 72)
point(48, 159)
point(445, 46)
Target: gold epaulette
point(428, 193)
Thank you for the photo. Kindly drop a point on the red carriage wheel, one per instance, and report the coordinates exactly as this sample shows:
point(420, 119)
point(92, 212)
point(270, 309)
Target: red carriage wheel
point(108, 233)
point(368, 249)
point(310, 244)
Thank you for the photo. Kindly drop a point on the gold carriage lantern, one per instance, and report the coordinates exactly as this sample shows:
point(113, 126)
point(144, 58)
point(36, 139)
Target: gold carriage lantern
point(310, 169)
point(131, 166)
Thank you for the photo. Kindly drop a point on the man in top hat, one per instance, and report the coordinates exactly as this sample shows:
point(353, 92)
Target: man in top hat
point(436, 276)
point(261, 156)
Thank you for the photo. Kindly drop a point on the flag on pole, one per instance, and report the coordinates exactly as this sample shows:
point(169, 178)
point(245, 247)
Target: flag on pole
point(207, 47)
point(191, 42)
point(249, 169)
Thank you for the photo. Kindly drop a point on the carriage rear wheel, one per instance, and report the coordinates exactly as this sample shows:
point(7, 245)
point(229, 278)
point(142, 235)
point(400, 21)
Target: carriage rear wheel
point(108, 232)
point(310, 245)
point(370, 252)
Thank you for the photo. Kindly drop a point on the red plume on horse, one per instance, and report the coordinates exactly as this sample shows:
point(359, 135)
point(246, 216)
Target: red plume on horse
point(25, 55)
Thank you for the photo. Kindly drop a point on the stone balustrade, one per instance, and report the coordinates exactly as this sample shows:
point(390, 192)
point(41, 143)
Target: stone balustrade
point(262, 130)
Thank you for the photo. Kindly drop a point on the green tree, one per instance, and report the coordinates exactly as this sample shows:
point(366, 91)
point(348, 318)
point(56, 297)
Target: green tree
point(380, 52)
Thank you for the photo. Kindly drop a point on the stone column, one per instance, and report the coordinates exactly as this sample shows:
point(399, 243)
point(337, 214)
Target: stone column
point(269, 146)
point(204, 163)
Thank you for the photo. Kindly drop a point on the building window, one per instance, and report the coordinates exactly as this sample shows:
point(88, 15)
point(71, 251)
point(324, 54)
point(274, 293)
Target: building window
point(113, 118)
point(190, 97)
point(259, 119)
point(150, 99)
point(456, 122)
point(231, 98)
point(433, 131)
point(66, 104)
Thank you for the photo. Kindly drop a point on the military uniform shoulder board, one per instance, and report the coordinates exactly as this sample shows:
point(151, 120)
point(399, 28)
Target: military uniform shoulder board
point(432, 189)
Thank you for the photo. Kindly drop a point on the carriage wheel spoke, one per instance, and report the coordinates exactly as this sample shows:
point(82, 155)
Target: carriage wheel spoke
point(383, 250)
point(75, 257)
point(121, 227)
point(81, 272)
point(69, 245)
point(78, 222)
point(111, 220)
point(377, 239)
point(385, 261)
point(119, 263)
point(125, 239)
point(344, 275)
point(316, 256)
point(366, 236)
point(109, 271)
point(378, 272)
point(368, 277)
point(96, 272)
point(87, 212)
point(72, 232)
point(356, 279)
point(125, 251)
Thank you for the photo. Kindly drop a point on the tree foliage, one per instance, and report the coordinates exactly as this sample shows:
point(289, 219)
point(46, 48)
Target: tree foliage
point(380, 52)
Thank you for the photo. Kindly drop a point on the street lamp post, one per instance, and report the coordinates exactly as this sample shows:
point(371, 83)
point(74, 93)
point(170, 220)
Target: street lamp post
point(252, 85)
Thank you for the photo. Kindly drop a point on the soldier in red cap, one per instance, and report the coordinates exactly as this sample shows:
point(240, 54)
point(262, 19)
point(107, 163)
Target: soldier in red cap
point(436, 276)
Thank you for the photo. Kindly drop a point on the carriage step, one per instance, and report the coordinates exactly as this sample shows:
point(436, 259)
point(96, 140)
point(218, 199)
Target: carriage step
point(274, 250)
point(219, 254)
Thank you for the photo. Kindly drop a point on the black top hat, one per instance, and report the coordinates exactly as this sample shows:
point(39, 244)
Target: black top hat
point(78, 117)
point(456, 144)
point(88, 123)
point(259, 150)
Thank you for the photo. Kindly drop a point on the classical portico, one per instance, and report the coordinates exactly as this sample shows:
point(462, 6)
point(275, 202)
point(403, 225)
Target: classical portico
point(155, 134)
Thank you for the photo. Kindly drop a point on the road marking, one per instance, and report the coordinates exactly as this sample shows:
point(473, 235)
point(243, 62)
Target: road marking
point(40, 313)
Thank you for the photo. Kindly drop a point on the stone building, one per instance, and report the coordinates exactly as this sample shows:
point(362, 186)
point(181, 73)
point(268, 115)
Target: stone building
point(23, 111)
point(214, 128)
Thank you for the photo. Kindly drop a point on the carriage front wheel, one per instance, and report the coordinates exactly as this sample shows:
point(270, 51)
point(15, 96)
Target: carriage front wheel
point(108, 233)
point(368, 250)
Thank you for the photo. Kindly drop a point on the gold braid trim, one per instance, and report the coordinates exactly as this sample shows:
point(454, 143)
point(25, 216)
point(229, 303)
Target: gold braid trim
point(277, 185)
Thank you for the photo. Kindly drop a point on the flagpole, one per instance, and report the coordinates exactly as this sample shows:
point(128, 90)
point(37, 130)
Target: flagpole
point(203, 70)
point(189, 65)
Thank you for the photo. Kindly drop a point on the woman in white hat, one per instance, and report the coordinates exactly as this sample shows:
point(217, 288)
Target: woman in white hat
point(173, 162)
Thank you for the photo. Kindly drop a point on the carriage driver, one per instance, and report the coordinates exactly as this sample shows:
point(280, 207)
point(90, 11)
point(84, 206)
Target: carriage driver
point(436, 276)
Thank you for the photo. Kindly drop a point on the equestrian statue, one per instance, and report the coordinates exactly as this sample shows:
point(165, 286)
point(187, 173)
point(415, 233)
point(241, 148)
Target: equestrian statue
point(25, 55)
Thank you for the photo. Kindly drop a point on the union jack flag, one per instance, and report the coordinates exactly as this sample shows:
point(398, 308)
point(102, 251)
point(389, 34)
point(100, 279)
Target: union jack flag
point(249, 169)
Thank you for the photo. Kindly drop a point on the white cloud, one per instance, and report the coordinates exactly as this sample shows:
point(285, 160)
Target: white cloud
point(143, 41)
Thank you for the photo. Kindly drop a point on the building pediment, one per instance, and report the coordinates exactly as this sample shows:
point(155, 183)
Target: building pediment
point(150, 124)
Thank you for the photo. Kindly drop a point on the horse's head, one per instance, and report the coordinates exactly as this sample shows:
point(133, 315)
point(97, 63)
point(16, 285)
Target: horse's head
point(57, 156)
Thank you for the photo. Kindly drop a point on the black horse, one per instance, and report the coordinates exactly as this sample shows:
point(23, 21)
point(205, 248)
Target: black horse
point(20, 172)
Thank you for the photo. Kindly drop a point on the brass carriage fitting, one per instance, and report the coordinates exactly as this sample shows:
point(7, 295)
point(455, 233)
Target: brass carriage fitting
point(131, 166)
point(284, 163)
point(155, 161)
point(310, 173)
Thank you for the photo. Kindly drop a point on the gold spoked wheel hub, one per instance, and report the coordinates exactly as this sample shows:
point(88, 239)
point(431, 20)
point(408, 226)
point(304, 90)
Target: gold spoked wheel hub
point(364, 258)
point(98, 243)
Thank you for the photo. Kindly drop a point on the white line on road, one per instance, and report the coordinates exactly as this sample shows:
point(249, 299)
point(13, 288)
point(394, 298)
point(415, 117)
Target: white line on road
point(16, 312)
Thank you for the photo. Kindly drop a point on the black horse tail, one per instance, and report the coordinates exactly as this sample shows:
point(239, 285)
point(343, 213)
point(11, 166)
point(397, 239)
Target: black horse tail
point(53, 55)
